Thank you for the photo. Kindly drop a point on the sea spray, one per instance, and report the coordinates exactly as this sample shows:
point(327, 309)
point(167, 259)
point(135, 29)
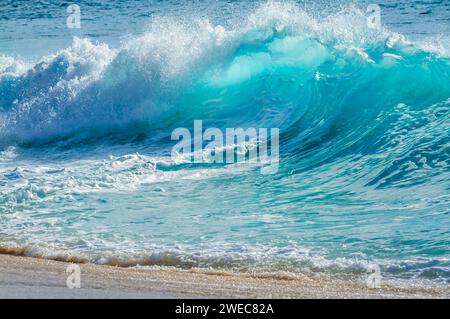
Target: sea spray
point(86, 171)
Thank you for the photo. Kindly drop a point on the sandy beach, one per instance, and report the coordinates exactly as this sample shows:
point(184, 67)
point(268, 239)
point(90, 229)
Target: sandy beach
point(24, 277)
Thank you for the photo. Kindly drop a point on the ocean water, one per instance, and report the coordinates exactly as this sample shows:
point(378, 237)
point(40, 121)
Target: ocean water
point(86, 117)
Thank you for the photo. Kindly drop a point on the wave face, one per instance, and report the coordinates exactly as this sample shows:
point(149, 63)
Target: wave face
point(364, 117)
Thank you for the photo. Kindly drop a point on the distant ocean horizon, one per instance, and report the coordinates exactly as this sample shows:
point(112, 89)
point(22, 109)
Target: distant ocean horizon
point(87, 116)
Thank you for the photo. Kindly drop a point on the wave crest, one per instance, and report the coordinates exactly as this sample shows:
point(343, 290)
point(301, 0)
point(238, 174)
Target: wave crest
point(275, 68)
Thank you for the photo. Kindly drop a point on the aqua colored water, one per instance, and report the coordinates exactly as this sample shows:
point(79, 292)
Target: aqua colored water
point(86, 117)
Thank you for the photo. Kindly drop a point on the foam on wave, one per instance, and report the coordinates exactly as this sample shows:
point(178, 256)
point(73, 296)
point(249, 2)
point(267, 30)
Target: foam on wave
point(170, 73)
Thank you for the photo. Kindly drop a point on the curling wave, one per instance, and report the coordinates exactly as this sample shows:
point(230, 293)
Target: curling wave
point(364, 118)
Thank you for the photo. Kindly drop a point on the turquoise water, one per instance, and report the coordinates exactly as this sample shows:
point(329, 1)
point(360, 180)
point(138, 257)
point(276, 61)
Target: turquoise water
point(364, 116)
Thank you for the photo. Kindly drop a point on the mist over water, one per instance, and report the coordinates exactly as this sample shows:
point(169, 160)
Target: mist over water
point(363, 113)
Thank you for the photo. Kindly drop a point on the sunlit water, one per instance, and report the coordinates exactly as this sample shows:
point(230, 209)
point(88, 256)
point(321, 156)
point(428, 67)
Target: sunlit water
point(86, 117)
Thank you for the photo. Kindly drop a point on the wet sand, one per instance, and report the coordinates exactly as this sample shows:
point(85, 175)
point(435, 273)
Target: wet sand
point(25, 277)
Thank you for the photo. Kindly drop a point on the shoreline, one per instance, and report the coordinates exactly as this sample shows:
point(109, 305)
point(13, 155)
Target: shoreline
point(35, 278)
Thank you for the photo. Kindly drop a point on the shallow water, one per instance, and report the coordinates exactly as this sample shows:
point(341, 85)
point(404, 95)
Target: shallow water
point(85, 125)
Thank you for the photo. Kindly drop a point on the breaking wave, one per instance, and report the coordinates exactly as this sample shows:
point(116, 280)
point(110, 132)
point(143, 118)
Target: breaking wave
point(361, 112)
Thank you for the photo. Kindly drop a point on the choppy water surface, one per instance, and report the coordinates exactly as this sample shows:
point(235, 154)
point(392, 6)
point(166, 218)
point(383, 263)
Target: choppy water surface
point(364, 116)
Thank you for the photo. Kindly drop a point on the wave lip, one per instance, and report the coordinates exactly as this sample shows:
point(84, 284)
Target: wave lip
point(90, 89)
point(363, 114)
